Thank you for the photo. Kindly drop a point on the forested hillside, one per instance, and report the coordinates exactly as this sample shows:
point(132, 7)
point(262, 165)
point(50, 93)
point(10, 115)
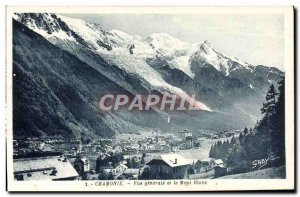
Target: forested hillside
point(265, 141)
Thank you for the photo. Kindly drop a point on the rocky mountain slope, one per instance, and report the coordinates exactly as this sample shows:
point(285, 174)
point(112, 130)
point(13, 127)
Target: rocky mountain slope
point(88, 62)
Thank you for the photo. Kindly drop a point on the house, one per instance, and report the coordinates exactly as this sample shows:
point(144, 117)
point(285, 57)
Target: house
point(120, 168)
point(215, 136)
point(219, 167)
point(93, 161)
point(196, 164)
point(89, 148)
point(131, 173)
point(43, 168)
point(46, 147)
point(220, 171)
point(81, 164)
point(168, 166)
point(67, 146)
point(118, 149)
point(189, 140)
point(86, 163)
point(138, 157)
point(110, 170)
point(183, 134)
point(217, 162)
point(229, 134)
point(206, 164)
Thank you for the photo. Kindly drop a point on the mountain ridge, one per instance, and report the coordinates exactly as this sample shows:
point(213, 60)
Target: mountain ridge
point(141, 68)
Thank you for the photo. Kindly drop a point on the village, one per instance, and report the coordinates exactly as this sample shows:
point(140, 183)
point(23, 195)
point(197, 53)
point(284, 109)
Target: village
point(156, 156)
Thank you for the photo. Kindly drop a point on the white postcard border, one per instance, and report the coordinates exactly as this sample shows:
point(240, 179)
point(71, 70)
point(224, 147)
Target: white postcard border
point(128, 185)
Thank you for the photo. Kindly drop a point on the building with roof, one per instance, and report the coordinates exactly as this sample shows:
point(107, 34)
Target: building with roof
point(206, 164)
point(185, 133)
point(168, 166)
point(217, 162)
point(189, 140)
point(131, 173)
point(120, 168)
point(81, 164)
point(43, 168)
point(196, 165)
point(220, 171)
point(219, 167)
point(72, 146)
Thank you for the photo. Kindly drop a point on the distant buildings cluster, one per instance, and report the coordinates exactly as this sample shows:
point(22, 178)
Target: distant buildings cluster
point(165, 166)
point(144, 158)
point(222, 134)
point(175, 166)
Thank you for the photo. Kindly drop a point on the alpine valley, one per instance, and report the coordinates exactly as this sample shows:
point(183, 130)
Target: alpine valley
point(62, 67)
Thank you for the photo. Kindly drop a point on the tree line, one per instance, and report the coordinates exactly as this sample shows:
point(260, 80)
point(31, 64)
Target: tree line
point(265, 141)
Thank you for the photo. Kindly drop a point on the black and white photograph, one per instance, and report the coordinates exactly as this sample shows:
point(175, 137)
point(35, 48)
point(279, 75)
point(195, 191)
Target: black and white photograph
point(142, 99)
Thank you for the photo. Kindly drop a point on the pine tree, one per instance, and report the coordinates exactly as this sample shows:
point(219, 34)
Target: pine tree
point(145, 174)
point(143, 158)
point(269, 106)
point(235, 157)
point(266, 139)
point(280, 105)
point(269, 110)
point(279, 122)
point(211, 151)
point(245, 131)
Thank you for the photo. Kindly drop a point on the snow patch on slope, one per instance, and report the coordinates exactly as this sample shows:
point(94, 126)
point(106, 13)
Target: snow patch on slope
point(138, 66)
point(176, 52)
point(88, 31)
point(130, 52)
point(135, 63)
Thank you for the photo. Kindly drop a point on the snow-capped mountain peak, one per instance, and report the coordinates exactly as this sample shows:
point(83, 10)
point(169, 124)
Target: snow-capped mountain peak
point(90, 61)
point(131, 52)
point(166, 44)
point(219, 60)
point(176, 52)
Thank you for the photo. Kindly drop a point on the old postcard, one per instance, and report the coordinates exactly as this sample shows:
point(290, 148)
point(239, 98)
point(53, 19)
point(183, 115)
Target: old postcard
point(150, 98)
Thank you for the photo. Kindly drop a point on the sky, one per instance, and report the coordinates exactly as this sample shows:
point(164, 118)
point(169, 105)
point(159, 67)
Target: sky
point(256, 39)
